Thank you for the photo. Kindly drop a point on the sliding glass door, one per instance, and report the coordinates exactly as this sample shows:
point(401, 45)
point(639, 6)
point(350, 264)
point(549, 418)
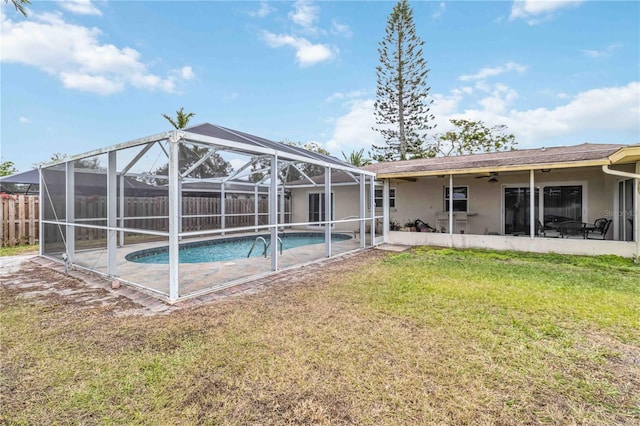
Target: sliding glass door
point(316, 207)
point(517, 210)
point(625, 210)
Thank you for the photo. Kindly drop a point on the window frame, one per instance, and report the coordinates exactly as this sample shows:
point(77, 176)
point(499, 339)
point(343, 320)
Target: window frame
point(392, 198)
point(321, 205)
point(446, 198)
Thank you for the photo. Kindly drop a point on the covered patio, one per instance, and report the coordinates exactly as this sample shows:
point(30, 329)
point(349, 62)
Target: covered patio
point(139, 212)
point(585, 200)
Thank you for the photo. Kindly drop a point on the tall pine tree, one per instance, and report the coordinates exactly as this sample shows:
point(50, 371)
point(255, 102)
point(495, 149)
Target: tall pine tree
point(402, 104)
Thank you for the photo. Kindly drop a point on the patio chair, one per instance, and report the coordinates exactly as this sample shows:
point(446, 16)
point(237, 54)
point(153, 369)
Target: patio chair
point(542, 231)
point(599, 229)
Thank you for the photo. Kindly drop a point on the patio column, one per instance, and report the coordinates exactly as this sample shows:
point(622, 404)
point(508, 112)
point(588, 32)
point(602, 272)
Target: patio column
point(372, 206)
point(385, 209)
point(532, 204)
point(282, 208)
point(174, 216)
point(273, 212)
point(70, 207)
point(450, 204)
point(40, 212)
point(112, 214)
point(636, 211)
point(327, 211)
point(223, 208)
point(121, 211)
point(361, 223)
point(256, 205)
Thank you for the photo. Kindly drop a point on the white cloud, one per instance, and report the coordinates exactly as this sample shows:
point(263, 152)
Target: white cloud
point(354, 129)
point(230, 97)
point(80, 7)
point(187, 73)
point(492, 72)
point(602, 53)
point(339, 28)
point(536, 11)
point(75, 55)
point(263, 11)
point(305, 14)
point(237, 163)
point(607, 110)
point(340, 95)
point(441, 9)
point(24, 120)
point(307, 53)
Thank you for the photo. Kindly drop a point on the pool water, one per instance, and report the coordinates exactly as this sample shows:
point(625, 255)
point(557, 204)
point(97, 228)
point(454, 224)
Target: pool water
point(228, 248)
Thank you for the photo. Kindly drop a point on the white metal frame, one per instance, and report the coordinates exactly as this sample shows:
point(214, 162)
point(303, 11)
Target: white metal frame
point(116, 222)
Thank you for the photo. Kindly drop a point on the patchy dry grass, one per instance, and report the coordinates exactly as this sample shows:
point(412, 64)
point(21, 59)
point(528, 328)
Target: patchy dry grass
point(424, 337)
point(18, 250)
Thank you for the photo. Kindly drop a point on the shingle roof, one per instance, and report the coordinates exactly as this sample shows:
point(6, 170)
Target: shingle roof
point(499, 160)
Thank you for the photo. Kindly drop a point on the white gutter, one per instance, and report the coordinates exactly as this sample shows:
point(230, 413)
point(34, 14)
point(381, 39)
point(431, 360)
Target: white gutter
point(608, 171)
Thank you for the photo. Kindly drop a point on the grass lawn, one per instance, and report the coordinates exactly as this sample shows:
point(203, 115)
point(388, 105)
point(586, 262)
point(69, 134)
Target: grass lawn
point(430, 336)
point(18, 250)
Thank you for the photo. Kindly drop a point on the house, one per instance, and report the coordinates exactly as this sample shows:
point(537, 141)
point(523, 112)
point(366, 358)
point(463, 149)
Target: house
point(484, 200)
point(491, 205)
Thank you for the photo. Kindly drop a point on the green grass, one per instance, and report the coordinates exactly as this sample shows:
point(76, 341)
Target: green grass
point(17, 250)
point(431, 336)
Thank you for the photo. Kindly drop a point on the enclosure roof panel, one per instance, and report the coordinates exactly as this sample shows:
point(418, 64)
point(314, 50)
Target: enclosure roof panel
point(30, 177)
point(213, 130)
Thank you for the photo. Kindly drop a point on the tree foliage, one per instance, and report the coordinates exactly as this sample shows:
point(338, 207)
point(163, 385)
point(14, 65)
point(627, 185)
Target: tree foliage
point(471, 137)
point(292, 172)
point(7, 168)
point(20, 5)
point(214, 166)
point(181, 120)
point(356, 158)
point(402, 107)
point(189, 155)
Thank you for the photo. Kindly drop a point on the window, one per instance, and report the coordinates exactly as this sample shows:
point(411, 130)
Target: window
point(460, 198)
point(316, 207)
point(562, 203)
point(392, 198)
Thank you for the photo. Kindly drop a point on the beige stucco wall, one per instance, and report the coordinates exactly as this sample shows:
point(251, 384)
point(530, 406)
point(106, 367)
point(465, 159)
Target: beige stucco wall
point(346, 203)
point(424, 198)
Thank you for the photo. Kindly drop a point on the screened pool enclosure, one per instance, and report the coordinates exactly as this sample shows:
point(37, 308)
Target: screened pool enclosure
point(190, 211)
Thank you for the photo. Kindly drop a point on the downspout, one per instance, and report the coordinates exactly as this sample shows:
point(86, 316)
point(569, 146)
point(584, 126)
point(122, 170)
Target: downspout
point(636, 202)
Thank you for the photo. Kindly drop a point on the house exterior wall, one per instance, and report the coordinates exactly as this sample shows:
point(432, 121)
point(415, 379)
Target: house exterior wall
point(346, 204)
point(424, 198)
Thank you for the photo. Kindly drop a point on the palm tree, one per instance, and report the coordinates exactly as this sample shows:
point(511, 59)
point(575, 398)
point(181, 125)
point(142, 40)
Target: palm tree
point(214, 166)
point(19, 5)
point(182, 118)
point(357, 158)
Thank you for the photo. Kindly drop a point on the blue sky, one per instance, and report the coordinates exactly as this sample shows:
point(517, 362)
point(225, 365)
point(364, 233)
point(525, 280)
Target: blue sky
point(81, 75)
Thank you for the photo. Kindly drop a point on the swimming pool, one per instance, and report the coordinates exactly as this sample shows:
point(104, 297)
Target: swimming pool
point(228, 248)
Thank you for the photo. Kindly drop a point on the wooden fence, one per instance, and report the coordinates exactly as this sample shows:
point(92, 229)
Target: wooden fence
point(19, 216)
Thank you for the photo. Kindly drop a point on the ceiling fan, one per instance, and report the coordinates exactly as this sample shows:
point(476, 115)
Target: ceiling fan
point(492, 177)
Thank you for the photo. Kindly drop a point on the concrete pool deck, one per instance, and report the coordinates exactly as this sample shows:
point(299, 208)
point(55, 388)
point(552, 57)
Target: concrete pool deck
point(197, 278)
point(152, 305)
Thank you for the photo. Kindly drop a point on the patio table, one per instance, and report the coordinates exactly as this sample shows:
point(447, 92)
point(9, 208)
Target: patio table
point(570, 227)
